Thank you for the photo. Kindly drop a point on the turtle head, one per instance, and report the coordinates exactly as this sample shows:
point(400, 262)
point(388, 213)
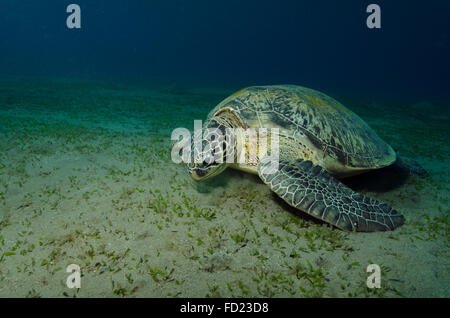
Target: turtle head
point(209, 156)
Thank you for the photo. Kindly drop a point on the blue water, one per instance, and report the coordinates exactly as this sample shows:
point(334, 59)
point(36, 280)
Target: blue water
point(321, 44)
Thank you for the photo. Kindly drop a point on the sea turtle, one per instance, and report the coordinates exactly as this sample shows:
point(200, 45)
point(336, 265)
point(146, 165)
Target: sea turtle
point(319, 139)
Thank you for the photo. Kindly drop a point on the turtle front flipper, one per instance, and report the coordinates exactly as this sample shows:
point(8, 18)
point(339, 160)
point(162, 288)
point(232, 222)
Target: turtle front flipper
point(313, 190)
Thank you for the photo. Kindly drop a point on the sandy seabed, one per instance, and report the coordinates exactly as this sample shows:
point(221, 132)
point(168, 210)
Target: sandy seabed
point(86, 178)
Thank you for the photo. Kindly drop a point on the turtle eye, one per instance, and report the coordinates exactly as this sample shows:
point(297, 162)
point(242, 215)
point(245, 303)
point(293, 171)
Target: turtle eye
point(205, 164)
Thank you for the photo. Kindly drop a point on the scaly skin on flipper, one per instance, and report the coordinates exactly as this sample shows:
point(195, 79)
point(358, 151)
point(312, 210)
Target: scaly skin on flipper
point(313, 190)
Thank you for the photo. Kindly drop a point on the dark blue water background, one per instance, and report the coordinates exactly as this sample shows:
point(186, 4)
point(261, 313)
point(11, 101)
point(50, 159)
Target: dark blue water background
point(320, 44)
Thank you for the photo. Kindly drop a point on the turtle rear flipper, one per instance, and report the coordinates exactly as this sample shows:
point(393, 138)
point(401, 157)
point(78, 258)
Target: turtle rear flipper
point(410, 166)
point(313, 190)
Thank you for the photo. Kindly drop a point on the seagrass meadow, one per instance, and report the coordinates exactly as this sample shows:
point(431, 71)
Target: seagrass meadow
point(86, 178)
